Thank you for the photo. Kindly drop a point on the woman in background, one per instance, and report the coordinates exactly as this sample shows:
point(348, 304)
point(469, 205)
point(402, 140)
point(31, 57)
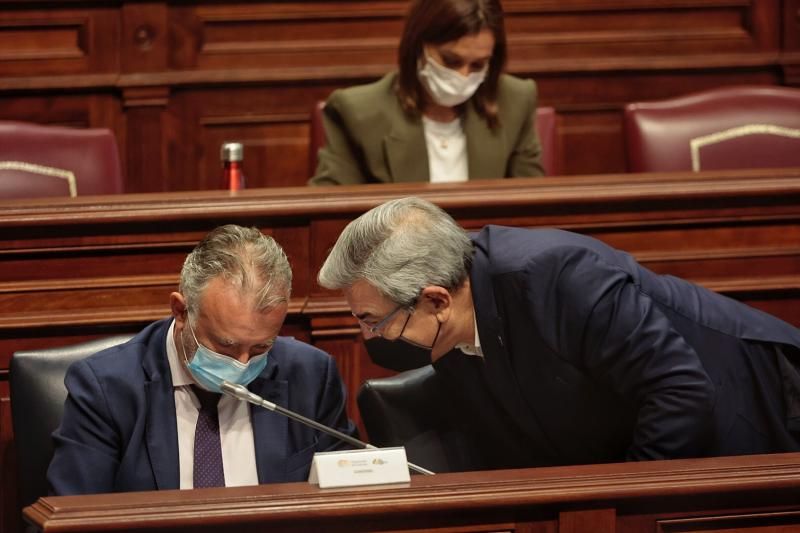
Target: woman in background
point(447, 115)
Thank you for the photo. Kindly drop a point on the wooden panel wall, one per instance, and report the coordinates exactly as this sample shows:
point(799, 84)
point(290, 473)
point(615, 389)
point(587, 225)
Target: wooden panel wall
point(73, 269)
point(176, 79)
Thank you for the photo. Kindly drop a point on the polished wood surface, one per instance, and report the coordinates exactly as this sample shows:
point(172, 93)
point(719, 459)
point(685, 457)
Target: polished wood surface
point(731, 494)
point(734, 231)
point(90, 266)
point(176, 79)
point(74, 269)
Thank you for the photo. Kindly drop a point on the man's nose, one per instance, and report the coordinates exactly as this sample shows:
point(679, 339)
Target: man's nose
point(366, 333)
point(242, 357)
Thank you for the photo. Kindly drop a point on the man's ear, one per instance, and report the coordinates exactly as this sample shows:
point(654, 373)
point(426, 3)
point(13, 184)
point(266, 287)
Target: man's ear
point(438, 300)
point(177, 304)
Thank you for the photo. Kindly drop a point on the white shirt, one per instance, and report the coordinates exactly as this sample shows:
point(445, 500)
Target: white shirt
point(235, 427)
point(447, 150)
point(472, 349)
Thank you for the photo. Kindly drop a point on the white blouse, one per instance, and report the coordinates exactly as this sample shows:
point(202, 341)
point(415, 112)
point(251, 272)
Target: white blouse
point(447, 150)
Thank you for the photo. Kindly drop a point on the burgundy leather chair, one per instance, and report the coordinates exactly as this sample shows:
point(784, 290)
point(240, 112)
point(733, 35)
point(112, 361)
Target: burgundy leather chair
point(725, 128)
point(316, 137)
point(42, 161)
point(545, 127)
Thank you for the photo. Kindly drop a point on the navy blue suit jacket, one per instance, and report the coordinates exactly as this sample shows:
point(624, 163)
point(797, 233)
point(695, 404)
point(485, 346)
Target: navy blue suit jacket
point(589, 357)
point(119, 429)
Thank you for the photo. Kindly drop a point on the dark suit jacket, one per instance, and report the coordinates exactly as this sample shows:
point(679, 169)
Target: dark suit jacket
point(589, 357)
point(370, 139)
point(119, 429)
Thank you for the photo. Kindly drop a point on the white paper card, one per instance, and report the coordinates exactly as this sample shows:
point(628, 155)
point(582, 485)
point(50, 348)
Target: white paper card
point(350, 468)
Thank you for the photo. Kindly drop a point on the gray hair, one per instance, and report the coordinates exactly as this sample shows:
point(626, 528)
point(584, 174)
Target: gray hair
point(400, 247)
point(251, 261)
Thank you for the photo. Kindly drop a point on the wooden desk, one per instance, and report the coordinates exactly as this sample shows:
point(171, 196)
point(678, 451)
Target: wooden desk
point(86, 267)
point(731, 494)
point(70, 269)
point(74, 269)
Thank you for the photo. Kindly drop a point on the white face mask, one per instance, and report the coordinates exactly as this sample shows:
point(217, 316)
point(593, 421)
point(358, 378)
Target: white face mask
point(448, 87)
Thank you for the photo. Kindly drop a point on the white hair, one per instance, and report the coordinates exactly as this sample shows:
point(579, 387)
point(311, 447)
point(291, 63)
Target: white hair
point(400, 247)
point(250, 260)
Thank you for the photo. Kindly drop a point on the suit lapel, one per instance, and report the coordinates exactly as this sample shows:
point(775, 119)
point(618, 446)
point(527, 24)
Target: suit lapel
point(406, 154)
point(500, 375)
point(270, 430)
point(486, 151)
point(161, 430)
point(498, 364)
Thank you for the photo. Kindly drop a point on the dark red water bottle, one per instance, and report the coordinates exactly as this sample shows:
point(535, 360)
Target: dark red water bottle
point(232, 155)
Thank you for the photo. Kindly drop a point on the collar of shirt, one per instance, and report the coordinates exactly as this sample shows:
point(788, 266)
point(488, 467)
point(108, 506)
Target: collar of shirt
point(235, 426)
point(472, 349)
point(180, 376)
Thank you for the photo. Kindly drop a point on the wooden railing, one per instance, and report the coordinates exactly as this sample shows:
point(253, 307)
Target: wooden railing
point(732, 494)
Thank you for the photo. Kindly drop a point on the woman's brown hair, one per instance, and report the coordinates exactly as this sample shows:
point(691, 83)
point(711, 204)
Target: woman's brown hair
point(442, 21)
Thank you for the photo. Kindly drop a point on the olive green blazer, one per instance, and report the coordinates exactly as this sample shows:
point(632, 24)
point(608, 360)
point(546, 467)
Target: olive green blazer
point(369, 139)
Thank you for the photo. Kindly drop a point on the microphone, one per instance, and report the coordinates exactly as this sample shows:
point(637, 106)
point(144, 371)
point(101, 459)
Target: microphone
point(240, 392)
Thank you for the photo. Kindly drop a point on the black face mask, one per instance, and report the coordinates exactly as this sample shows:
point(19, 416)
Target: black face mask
point(400, 354)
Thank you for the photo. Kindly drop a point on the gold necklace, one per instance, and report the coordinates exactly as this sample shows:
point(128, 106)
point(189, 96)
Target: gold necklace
point(441, 140)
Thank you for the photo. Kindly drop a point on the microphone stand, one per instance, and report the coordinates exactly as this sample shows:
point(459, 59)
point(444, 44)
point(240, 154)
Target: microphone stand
point(240, 392)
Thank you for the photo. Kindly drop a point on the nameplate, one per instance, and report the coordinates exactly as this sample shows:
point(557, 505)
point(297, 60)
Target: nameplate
point(350, 468)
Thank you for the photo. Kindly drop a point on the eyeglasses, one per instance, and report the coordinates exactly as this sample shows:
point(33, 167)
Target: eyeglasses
point(375, 329)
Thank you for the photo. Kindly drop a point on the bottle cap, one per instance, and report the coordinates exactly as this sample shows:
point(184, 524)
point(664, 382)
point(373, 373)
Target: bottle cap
point(231, 152)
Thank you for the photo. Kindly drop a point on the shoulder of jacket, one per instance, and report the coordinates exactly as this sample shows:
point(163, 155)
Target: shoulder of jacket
point(367, 94)
point(511, 86)
point(291, 346)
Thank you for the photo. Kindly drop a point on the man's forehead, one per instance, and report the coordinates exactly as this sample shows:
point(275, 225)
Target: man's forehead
point(232, 316)
point(364, 298)
point(247, 328)
point(363, 290)
point(222, 296)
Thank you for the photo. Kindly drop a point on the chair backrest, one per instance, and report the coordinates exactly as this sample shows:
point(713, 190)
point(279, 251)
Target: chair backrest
point(725, 128)
point(37, 403)
point(41, 161)
point(316, 136)
point(548, 139)
point(410, 409)
point(545, 127)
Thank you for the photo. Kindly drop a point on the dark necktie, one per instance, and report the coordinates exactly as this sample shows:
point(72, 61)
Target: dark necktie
point(208, 471)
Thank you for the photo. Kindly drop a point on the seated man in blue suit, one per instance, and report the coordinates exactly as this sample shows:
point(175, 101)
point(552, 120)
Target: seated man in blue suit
point(138, 417)
point(558, 349)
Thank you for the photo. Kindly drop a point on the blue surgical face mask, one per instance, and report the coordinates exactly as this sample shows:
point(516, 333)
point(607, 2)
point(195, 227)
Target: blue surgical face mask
point(209, 368)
